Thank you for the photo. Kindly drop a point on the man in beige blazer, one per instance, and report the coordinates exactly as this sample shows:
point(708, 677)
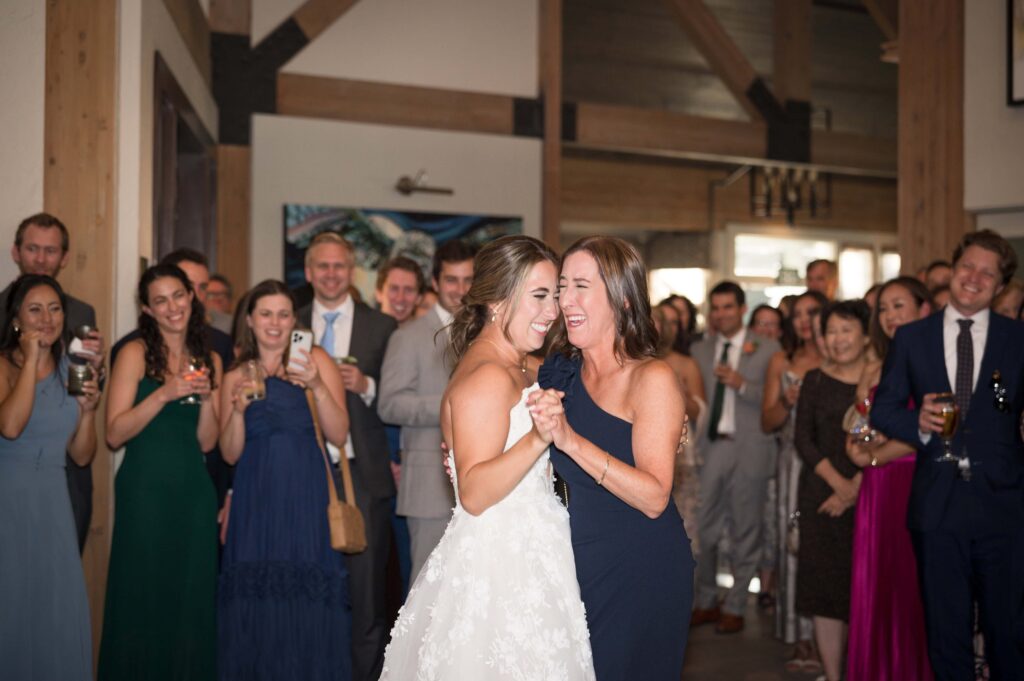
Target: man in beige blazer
point(413, 378)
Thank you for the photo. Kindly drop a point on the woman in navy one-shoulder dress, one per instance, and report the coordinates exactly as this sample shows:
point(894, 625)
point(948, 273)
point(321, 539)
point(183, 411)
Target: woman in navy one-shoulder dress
point(615, 448)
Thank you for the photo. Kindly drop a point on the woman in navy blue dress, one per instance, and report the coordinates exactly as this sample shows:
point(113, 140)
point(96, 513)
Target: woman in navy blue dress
point(616, 415)
point(283, 598)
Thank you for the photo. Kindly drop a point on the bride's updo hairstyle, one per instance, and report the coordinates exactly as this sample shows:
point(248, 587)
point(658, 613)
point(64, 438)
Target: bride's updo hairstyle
point(499, 274)
point(625, 278)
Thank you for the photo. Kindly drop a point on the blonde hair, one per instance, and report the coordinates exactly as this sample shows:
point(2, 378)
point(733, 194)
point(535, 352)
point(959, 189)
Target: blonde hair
point(327, 238)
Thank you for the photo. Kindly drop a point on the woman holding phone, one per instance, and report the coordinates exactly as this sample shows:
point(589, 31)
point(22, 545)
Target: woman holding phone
point(159, 618)
point(283, 601)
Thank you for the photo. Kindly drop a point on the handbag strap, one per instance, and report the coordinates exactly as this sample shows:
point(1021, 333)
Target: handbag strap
point(346, 473)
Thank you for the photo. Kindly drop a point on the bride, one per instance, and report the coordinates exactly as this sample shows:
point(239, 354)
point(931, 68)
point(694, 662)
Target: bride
point(498, 597)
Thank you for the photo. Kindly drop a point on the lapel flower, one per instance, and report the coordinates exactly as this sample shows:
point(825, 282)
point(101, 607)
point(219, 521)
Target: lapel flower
point(750, 347)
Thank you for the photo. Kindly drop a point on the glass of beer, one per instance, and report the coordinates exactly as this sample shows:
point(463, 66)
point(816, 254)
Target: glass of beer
point(257, 387)
point(946, 402)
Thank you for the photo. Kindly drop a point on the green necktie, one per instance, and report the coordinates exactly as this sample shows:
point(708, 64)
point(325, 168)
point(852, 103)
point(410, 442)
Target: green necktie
point(719, 399)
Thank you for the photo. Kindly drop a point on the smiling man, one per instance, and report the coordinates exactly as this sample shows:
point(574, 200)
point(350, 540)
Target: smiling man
point(413, 378)
point(966, 516)
point(400, 285)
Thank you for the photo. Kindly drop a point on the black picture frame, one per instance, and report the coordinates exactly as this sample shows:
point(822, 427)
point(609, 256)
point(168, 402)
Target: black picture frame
point(1015, 52)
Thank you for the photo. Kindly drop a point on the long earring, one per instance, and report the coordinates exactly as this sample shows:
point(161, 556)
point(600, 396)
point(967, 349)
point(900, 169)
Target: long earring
point(494, 316)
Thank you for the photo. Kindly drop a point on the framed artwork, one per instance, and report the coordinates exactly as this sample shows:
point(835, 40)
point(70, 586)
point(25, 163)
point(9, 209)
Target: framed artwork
point(378, 235)
point(1015, 52)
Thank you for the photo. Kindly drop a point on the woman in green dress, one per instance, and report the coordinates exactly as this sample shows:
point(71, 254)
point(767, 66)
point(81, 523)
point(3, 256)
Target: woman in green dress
point(159, 618)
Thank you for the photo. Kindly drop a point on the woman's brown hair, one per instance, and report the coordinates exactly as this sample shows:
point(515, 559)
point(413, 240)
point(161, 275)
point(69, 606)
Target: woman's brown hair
point(625, 279)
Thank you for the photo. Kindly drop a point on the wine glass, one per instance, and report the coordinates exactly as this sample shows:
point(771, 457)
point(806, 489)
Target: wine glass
point(946, 402)
point(857, 423)
point(196, 368)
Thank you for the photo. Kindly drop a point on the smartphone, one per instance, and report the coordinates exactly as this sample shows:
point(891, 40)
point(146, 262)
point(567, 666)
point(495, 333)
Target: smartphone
point(301, 340)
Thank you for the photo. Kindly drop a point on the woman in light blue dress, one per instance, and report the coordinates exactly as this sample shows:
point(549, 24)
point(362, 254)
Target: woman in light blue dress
point(44, 614)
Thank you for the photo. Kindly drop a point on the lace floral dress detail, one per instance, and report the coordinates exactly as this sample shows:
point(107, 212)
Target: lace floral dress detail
point(498, 597)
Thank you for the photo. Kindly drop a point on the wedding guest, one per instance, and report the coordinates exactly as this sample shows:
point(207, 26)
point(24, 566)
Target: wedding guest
point(739, 458)
point(687, 314)
point(786, 305)
point(887, 639)
point(41, 246)
point(427, 301)
point(1009, 300)
point(829, 482)
point(615, 447)
point(218, 303)
point(937, 274)
point(766, 322)
point(871, 296)
point(279, 533)
point(823, 276)
point(400, 284)
point(940, 297)
point(44, 619)
point(966, 517)
point(159, 618)
point(786, 372)
point(684, 482)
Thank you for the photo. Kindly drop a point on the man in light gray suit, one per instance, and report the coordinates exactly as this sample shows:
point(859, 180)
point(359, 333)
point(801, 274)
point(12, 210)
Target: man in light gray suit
point(412, 380)
point(738, 458)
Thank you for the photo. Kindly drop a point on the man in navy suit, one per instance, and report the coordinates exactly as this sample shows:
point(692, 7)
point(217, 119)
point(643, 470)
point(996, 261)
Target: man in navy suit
point(966, 517)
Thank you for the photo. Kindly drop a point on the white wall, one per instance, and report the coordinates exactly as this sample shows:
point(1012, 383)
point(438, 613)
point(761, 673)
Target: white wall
point(22, 82)
point(145, 27)
point(993, 131)
point(332, 163)
point(475, 45)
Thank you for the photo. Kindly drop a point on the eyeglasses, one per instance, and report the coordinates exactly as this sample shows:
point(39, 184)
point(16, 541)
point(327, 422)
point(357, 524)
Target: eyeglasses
point(1002, 404)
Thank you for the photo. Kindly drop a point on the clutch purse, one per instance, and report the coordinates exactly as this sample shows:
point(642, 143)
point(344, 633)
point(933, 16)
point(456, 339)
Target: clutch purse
point(561, 490)
point(348, 530)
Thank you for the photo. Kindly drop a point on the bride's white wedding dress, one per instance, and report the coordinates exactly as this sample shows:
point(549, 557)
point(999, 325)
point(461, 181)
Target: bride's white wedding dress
point(498, 597)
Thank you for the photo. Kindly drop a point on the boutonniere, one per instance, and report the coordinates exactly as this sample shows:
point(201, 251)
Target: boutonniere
point(999, 389)
point(750, 347)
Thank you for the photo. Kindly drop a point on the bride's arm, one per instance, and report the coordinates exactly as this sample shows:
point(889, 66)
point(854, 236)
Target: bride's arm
point(657, 426)
point(479, 408)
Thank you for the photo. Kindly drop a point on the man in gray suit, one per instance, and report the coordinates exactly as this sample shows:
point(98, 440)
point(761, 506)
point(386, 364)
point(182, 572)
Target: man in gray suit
point(738, 458)
point(413, 378)
point(352, 331)
point(41, 247)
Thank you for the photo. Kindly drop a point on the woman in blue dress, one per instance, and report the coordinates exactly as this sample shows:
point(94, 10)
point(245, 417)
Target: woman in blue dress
point(283, 602)
point(44, 614)
point(616, 415)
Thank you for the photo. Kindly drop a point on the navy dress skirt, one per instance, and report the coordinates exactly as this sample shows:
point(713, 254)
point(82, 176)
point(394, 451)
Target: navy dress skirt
point(635, 573)
point(282, 602)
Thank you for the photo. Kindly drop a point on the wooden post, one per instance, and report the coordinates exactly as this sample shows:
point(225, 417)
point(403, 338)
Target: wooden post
point(78, 187)
point(234, 188)
point(931, 131)
point(551, 94)
point(792, 78)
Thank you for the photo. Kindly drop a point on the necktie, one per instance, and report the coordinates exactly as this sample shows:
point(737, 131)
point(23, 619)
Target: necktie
point(719, 399)
point(964, 367)
point(327, 340)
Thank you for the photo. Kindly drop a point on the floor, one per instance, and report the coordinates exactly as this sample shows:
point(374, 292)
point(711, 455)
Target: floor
point(751, 655)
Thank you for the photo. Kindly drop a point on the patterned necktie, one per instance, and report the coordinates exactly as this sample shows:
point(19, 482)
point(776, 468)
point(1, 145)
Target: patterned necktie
point(964, 367)
point(327, 340)
point(719, 399)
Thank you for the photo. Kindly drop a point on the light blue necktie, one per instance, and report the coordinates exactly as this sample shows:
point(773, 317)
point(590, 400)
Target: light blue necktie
point(327, 340)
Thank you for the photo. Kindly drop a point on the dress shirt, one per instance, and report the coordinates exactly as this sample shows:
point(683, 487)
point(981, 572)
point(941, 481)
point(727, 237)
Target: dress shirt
point(727, 422)
point(446, 318)
point(950, 331)
point(342, 343)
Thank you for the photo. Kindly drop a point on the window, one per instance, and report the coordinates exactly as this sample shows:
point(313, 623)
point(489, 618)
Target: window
point(767, 256)
point(856, 272)
point(890, 265)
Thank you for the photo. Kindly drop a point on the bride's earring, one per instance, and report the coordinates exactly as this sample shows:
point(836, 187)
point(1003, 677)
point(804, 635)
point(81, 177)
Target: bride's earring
point(494, 315)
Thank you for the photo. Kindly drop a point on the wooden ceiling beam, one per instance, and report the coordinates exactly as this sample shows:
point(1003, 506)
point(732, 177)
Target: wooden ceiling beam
point(386, 104)
point(191, 22)
point(886, 14)
point(231, 16)
point(720, 51)
point(551, 94)
point(315, 16)
point(792, 50)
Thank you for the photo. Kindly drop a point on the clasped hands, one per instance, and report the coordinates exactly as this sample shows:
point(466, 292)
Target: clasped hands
point(548, 416)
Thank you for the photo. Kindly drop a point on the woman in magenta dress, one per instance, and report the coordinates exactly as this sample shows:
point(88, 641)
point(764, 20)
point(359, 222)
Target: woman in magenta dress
point(887, 637)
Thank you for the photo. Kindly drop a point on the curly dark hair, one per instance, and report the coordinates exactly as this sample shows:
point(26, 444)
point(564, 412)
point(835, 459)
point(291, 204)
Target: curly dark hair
point(195, 334)
point(500, 271)
point(19, 289)
point(625, 279)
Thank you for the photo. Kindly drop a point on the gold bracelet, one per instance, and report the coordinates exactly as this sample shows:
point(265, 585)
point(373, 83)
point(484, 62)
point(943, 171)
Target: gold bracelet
point(607, 462)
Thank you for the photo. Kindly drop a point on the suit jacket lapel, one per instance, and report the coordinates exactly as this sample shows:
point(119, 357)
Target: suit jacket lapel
point(994, 343)
point(936, 347)
point(357, 344)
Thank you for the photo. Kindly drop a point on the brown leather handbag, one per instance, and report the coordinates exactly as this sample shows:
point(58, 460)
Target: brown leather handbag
point(348, 531)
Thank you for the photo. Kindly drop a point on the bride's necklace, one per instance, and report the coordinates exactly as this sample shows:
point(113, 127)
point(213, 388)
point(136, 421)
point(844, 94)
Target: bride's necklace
point(522, 364)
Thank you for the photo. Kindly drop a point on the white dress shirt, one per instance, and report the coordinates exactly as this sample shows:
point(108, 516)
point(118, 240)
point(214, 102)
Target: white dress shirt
point(727, 422)
point(446, 318)
point(342, 343)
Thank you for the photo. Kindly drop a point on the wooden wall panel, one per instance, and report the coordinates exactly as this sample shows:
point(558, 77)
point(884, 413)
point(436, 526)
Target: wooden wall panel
point(644, 194)
point(78, 187)
point(931, 144)
point(231, 16)
point(361, 101)
point(188, 16)
point(234, 183)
